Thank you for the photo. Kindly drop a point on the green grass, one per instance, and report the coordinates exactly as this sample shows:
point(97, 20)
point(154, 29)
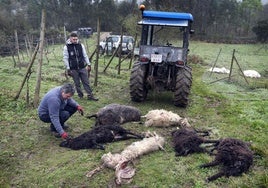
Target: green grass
point(31, 157)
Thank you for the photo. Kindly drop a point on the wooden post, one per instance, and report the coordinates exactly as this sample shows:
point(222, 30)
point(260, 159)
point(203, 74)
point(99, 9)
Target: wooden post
point(17, 46)
point(241, 70)
point(215, 62)
point(65, 36)
point(28, 72)
point(30, 45)
point(92, 55)
point(26, 46)
point(132, 52)
point(111, 59)
point(234, 59)
point(96, 65)
point(40, 60)
point(231, 68)
point(120, 52)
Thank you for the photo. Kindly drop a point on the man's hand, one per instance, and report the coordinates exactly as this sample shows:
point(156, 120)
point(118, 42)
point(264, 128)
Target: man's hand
point(64, 135)
point(69, 73)
point(88, 70)
point(80, 110)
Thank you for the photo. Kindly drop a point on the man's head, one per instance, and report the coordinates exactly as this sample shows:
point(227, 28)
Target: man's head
point(67, 91)
point(74, 38)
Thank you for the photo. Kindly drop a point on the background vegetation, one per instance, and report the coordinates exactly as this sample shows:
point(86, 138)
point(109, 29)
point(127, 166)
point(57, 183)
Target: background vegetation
point(229, 21)
point(31, 157)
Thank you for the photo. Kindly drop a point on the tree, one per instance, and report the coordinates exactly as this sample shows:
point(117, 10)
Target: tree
point(261, 30)
point(248, 12)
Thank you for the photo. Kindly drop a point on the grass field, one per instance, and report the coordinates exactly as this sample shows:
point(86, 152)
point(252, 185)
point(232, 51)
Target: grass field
point(31, 157)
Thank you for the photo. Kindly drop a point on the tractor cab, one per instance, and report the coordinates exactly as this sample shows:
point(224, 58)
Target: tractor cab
point(162, 63)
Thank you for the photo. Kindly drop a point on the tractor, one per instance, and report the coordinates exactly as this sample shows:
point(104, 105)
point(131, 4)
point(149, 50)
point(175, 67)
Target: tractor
point(162, 62)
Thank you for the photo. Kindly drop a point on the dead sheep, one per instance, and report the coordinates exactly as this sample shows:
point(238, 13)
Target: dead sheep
point(235, 157)
point(94, 138)
point(136, 149)
point(251, 73)
point(164, 118)
point(122, 162)
point(222, 70)
point(187, 141)
point(114, 114)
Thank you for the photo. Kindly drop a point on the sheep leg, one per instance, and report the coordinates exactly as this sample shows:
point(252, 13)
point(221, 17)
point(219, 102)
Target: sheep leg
point(96, 170)
point(202, 133)
point(213, 163)
point(91, 116)
point(215, 142)
point(216, 176)
point(126, 137)
point(97, 145)
point(135, 135)
point(96, 118)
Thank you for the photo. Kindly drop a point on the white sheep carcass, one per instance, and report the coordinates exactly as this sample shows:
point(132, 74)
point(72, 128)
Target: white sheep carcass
point(251, 74)
point(134, 150)
point(222, 70)
point(120, 161)
point(164, 118)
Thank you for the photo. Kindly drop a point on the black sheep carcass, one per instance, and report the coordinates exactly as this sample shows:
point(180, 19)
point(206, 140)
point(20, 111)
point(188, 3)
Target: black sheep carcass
point(187, 141)
point(116, 114)
point(94, 138)
point(235, 157)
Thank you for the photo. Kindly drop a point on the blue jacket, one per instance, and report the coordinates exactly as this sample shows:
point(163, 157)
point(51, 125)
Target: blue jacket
point(52, 103)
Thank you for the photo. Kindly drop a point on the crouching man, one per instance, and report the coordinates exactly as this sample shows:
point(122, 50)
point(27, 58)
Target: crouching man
point(56, 107)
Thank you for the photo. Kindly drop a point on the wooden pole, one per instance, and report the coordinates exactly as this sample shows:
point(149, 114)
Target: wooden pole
point(111, 59)
point(40, 60)
point(215, 62)
point(241, 70)
point(65, 35)
point(26, 46)
point(132, 52)
point(96, 65)
point(17, 46)
point(120, 52)
point(231, 68)
point(28, 71)
point(92, 55)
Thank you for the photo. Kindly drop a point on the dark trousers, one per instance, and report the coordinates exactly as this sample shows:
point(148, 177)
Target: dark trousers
point(81, 74)
point(65, 114)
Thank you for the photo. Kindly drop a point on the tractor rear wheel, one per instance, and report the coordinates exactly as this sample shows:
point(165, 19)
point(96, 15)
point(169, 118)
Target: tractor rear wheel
point(138, 91)
point(183, 86)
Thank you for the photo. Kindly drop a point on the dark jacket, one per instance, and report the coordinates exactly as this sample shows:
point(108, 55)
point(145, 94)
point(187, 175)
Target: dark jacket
point(76, 59)
point(75, 56)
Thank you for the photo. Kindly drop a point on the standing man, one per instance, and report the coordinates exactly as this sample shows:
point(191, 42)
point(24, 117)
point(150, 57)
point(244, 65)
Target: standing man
point(57, 106)
point(78, 66)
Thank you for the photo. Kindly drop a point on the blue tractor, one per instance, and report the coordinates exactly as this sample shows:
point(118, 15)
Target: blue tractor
point(163, 50)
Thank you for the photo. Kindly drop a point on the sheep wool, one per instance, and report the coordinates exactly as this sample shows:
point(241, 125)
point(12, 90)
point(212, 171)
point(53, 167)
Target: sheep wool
point(122, 163)
point(222, 70)
point(124, 172)
point(251, 74)
point(164, 118)
point(133, 151)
